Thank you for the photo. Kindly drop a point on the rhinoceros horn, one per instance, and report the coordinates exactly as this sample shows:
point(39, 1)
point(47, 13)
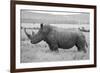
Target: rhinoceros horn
point(28, 35)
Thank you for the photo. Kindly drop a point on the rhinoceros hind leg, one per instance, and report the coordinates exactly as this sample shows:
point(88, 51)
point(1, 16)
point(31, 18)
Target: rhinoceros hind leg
point(81, 47)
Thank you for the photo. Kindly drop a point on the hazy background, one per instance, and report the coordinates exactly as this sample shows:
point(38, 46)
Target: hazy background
point(54, 17)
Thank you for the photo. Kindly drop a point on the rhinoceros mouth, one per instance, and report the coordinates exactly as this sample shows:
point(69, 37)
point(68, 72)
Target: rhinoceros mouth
point(36, 38)
point(32, 42)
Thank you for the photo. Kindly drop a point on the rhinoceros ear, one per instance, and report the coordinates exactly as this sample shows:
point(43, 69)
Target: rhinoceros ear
point(41, 25)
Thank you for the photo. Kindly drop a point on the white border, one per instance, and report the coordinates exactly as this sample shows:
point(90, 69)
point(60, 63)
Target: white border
point(51, 64)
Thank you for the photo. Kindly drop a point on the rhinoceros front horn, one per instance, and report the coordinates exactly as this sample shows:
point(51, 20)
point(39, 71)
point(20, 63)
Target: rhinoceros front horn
point(28, 35)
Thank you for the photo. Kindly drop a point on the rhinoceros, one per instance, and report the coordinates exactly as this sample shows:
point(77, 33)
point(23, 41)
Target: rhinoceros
point(57, 37)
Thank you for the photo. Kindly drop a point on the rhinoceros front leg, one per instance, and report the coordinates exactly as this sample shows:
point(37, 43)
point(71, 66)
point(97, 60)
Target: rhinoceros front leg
point(53, 47)
point(52, 43)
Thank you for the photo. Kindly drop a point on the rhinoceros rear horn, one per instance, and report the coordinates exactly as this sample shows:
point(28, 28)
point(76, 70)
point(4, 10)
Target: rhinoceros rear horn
point(28, 35)
point(32, 33)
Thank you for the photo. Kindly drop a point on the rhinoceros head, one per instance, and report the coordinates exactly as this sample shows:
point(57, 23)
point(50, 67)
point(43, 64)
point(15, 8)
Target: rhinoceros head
point(41, 34)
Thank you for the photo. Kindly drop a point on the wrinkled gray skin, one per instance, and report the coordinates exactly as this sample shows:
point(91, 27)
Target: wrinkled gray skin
point(59, 38)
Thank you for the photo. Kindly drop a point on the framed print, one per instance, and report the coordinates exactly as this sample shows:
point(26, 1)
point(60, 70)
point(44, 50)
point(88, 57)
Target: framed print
point(52, 36)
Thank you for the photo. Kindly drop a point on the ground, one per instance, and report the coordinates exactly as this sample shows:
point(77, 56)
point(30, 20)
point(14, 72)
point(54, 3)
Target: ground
point(41, 53)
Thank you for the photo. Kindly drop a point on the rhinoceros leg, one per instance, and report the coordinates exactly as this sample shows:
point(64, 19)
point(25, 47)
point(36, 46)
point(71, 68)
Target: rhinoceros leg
point(81, 46)
point(53, 47)
point(81, 43)
point(52, 43)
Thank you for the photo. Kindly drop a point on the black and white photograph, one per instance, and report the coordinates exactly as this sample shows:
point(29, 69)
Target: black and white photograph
point(54, 37)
